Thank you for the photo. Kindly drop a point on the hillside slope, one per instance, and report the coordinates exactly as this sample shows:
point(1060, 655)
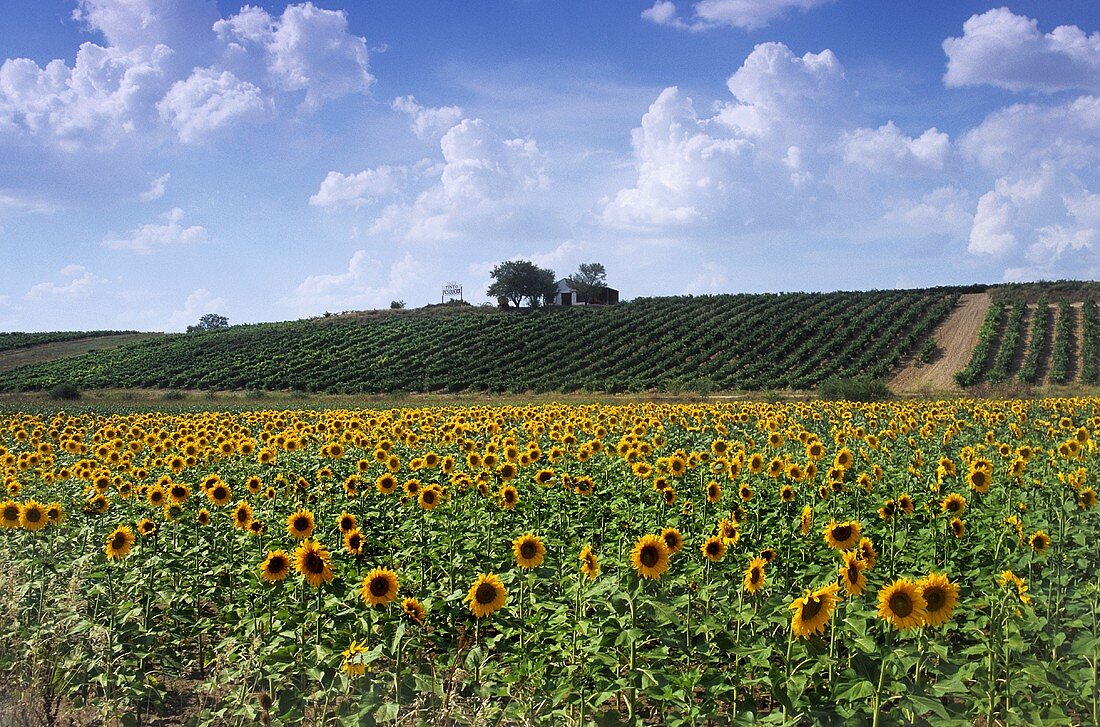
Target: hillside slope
point(792, 340)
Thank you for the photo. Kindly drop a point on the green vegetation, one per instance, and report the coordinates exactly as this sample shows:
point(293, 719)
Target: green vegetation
point(12, 341)
point(986, 337)
point(1007, 351)
point(1029, 372)
point(1089, 344)
point(1063, 340)
point(860, 388)
point(749, 342)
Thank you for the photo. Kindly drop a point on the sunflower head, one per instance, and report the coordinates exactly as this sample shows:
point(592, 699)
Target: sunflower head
point(300, 524)
point(202, 517)
point(119, 543)
point(590, 564)
point(429, 497)
point(649, 557)
point(487, 594)
point(1039, 541)
point(414, 611)
point(147, 528)
point(755, 575)
point(275, 566)
point(940, 598)
point(714, 548)
point(509, 497)
point(843, 535)
point(813, 611)
point(902, 605)
point(242, 515)
point(958, 527)
point(953, 504)
point(32, 515)
point(851, 573)
point(673, 539)
point(529, 551)
point(353, 541)
point(312, 561)
point(379, 587)
point(346, 522)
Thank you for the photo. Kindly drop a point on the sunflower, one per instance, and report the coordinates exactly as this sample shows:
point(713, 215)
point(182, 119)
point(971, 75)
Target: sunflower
point(813, 611)
point(1086, 498)
point(807, 520)
point(754, 575)
point(756, 463)
point(10, 514)
point(650, 556)
point(1009, 578)
point(867, 553)
point(178, 493)
point(1039, 541)
point(202, 517)
point(509, 496)
point(841, 536)
point(958, 528)
point(155, 495)
point(353, 541)
point(379, 587)
point(786, 494)
point(352, 665)
point(55, 513)
point(242, 515)
point(146, 528)
point(714, 548)
point(300, 524)
point(414, 611)
point(219, 494)
point(673, 539)
point(851, 573)
point(590, 564)
point(429, 497)
point(32, 515)
point(119, 543)
point(346, 522)
point(486, 595)
point(386, 483)
point(940, 597)
point(905, 503)
point(714, 491)
point(902, 604)
point(953, 504)
point(979, 481)
point(312, 561)
point(887, 511)
point(529, 551)
point(255, 527)
point(769, 555)
point(275, 567)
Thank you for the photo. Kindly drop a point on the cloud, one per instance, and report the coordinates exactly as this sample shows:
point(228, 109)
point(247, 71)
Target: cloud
point(744, 14)
point(77, 282)
point(305, 49)
point(365, 284)
point(355, 190)
point(427, 122)
point(887, 150)
point(147, 239)
point(207, 101)
point(19, 203)
point(198, 303)
point(156, 189)
point(484, 181)
point(1002, 49)
point(129, 24)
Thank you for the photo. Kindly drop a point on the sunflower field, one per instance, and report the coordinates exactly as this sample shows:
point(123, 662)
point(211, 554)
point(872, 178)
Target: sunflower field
point(917, 562)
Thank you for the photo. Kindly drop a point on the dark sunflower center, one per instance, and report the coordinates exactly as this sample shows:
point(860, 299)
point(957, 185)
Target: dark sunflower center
point(314, 564)
point(277, 565)
point(242, 515)
point(355, 541)
point(429, 497)
point(649, 556)
point(853, 573)
point(346, 524)
point(485, 594)
point(219, 493)
point(935, 597)
point(901, 604)
point(713, 547)
point(11, 512)
point(755, 575)
point(509, 496)
point(953, 506)
point(811, 608)
point(301, 523)
point(118, 542)
point(527, 550)
point(842, 532)
point(379, 586)
point(33, 515)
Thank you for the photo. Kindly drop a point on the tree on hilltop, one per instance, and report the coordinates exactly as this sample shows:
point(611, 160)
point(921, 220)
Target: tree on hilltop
point(209, 322)
point(587, 279)
point(519, 279)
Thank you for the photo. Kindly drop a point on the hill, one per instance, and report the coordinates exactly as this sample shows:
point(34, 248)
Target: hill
point(761, 341)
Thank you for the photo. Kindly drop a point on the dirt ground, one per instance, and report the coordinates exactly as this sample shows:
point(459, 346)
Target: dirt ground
point(956, 338)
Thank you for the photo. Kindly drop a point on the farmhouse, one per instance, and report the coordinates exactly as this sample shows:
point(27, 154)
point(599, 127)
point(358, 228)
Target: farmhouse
point(566, 295)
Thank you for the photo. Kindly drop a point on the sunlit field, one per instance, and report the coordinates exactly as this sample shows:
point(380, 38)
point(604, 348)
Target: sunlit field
point(911, 562)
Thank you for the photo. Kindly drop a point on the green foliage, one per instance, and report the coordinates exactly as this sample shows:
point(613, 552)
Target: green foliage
point(986, 335)
point(519, 279)
point(1090, 344)
point(64, 392)
point(1009, 342)
point(397, 305)
point(836, 388)
point(10, 341)
point(1063, 341)
point(1029, 372)
point(745, 342)
point(587, 278)
point(209, 322)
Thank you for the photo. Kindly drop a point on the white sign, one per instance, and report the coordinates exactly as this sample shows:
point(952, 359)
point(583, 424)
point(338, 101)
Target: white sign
point(452, 289)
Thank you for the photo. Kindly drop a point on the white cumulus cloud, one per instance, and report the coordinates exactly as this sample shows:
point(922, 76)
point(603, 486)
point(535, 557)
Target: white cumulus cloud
point(887, 150)
point(149, 238)
point(76, 282)
point(208, 100)
point(367, 283)
point(156, 189)
point(744, 14)
point(426, 121)
point(354, 190)
point(198, 303)
point(1000, 48)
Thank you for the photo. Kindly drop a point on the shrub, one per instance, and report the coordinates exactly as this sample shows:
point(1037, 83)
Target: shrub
point(64, 392)
point(837, 388)
point(173, 396)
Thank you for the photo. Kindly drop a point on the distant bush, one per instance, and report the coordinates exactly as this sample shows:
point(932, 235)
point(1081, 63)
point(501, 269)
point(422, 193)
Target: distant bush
point(255, 394)
point(836, 388)
point(64, 392)
point(174, 396)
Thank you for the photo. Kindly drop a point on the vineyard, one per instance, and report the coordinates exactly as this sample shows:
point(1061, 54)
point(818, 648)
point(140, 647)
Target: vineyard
point(919, 562)
point(12, 341)
point(748, 342)
point(1039, 343)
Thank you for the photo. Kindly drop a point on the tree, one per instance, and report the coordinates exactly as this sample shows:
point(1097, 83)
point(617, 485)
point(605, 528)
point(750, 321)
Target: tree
point(397, 304)
point(587, 279)
point(210, 322)
point(519, 279)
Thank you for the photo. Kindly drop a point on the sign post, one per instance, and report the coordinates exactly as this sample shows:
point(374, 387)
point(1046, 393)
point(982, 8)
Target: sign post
point(453, 290)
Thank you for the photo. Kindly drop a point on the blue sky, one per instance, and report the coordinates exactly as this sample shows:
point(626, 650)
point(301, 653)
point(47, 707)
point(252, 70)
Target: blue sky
point(161, 159)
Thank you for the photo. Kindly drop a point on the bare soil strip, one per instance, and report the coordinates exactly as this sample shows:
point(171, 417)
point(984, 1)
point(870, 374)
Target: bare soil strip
point(956, 337)
point(63, 349)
